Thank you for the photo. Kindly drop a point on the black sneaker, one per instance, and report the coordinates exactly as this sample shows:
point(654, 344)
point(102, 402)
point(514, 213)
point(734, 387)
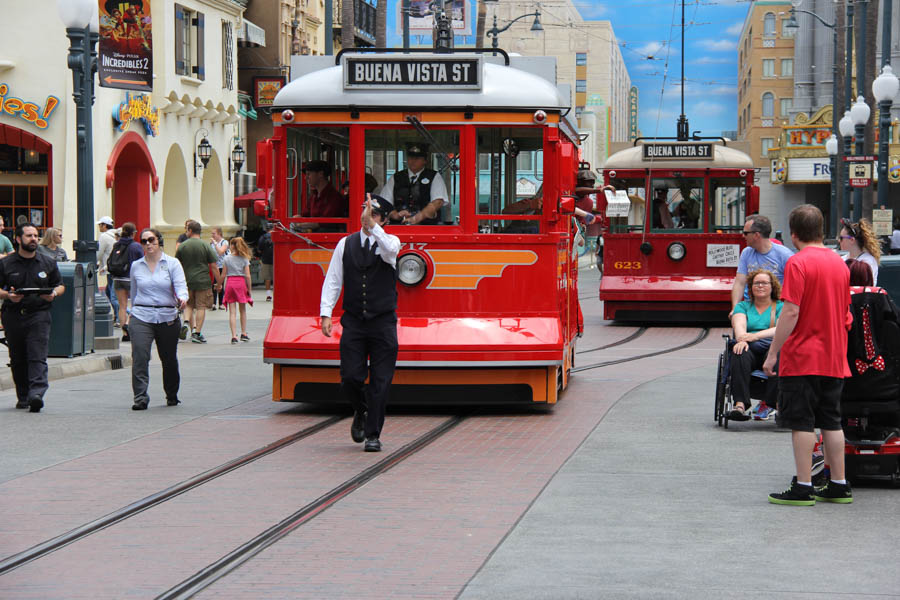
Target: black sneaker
point(35, 404)
point(21, 403)
point(358, 427)
point(373, 444)
point(839, 493)
point(796, 495)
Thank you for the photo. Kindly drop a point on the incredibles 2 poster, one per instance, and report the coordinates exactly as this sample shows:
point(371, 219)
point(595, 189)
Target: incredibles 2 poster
point(125, 56)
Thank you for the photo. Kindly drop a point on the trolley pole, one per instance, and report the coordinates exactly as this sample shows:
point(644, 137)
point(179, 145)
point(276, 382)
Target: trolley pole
point(406, 8)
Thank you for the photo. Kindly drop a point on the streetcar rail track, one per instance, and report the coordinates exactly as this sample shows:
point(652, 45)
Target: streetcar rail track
point(641, 331)
point(704, 333)
point(237, 557)
point(82, 531)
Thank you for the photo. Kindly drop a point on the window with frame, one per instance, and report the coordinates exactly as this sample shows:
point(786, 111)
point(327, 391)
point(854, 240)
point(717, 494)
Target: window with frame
point(786, 32)
point(786, 105)
point(787, 67)
point(768, 104)
point(728, 199)
point(512, 183)
point(580, 59)
point(190, 58)
point(767, 144)
point(318, 196)
point(676, 203)
point(768, 66)
point(580, 85)
point(769, 24)
point(227, 55)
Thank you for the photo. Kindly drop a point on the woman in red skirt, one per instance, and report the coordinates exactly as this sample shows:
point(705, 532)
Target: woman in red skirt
point(236, 272)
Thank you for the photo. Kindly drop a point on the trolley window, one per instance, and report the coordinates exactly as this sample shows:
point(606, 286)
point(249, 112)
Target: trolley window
point(728, 203)
point(637, 195)
point(413, 173)
point(676, 204)
point(510, 178)
point(318, 162)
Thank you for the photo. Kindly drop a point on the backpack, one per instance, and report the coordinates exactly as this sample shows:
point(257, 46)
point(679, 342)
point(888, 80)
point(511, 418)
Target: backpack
point(118, 264)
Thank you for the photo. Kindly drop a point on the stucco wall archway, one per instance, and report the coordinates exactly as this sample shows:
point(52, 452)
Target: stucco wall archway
point(176, 195)
point(131, 174)
point(212, 194)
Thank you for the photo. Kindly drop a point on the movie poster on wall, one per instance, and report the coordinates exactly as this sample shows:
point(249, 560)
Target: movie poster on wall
point(125, 56)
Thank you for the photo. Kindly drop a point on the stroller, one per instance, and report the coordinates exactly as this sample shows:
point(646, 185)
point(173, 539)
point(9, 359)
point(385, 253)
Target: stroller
point(870, 404)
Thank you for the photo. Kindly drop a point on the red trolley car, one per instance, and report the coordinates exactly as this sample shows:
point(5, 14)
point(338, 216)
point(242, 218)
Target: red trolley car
point(673, 237)
point(488, 296)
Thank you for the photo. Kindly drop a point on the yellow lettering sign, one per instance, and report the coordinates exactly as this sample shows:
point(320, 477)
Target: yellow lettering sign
point(137, 107)
point(27, 111)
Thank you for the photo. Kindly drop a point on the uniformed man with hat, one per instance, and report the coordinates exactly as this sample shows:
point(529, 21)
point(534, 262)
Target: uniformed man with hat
point(417, 192)
point(29, 282)
point(364, 264)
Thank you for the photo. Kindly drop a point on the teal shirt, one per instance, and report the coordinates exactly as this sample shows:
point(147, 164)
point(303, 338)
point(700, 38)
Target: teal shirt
point(755, 321)
point(5, 245)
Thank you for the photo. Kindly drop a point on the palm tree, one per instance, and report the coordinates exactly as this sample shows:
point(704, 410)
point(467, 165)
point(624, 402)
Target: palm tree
point(348, 23)
point(381, 24)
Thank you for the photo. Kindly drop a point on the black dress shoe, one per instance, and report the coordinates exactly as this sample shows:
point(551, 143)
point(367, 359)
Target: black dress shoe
point(22, 404)
point(35, 404)
point(373, 445)
point(173, 402)
point(139, 406)
point(358, 427)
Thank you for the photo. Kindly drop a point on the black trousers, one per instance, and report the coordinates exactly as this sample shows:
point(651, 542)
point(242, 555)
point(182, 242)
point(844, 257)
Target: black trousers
point(28, 339)
point(143, 335)
point(742, 365)
point(368, 348)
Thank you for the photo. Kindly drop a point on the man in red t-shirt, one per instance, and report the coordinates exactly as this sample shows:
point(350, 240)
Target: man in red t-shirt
point(812, 335)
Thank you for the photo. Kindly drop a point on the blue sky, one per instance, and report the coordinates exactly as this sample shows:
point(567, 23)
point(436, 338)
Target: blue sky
point(649, 36)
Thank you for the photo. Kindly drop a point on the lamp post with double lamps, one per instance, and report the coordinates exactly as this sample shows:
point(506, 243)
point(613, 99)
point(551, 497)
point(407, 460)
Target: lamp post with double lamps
point(845, 126)
point(884, 88)
point(859, 113)
point(494, 31)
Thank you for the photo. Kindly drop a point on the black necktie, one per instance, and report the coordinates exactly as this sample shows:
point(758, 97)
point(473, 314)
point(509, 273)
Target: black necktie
point(367, 246)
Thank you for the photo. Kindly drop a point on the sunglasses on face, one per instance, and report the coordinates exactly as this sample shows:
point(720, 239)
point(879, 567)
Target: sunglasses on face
point(149, 240)
point(749, 232)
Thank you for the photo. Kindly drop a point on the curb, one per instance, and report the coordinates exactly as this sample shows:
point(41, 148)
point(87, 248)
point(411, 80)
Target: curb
point(73, 367)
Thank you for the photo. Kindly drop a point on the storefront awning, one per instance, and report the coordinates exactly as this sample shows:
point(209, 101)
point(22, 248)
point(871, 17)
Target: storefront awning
point(251, 36)
point(247, 200)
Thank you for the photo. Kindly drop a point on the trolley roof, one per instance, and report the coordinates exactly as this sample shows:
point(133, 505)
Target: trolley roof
point(722, 157)
point(503, 88)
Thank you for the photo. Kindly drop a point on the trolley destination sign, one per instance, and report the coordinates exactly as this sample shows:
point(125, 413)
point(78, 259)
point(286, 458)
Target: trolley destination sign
point(677, 151)
point(413, 72)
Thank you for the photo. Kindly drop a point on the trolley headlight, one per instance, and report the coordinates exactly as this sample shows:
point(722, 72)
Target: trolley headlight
point(411, 269)
point(287, 115)
point(676, 251)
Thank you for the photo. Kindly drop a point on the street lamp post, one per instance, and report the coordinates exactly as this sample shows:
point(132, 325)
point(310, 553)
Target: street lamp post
point(845, 125)
point(884, 88)
point(494, 31)
point(859, 112)
point(831, 147)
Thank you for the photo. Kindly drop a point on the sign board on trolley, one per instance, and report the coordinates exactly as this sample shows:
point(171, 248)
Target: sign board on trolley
point(677, 151)
point(452, 72)
point(882, 221)
point(722, 255)
point(617, 204)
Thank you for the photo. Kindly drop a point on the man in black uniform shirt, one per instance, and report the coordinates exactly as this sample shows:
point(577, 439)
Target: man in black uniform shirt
point(365, 265)
point(417, 192)
point(26, 315)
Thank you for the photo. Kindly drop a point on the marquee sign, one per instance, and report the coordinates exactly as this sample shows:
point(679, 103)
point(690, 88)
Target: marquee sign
point(31, 112)
point(677, 151)
point(412, 72)
point(137, 107)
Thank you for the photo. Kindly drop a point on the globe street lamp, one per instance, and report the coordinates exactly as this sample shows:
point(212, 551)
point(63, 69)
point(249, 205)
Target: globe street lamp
point(845, 126)
point(831, 147)
point(884, 88)
point(494, 31)
point(859, 112)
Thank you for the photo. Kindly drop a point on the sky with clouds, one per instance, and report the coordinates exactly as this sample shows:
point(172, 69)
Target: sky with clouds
point(649, 35)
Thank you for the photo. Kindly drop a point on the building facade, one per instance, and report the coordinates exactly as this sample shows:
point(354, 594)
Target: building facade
point(588, 58)
point(144, 144)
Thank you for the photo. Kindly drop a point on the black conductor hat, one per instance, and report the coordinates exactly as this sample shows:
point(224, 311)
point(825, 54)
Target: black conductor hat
point(417, 150)
point(381, 205)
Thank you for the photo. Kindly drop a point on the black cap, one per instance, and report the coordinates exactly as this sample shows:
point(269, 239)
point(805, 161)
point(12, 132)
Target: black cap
point(417, 150)
point(586, 175)
point(381, 205)
point(319, 166)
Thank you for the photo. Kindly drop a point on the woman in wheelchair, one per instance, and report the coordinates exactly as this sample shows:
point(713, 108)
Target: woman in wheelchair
point(754, 326)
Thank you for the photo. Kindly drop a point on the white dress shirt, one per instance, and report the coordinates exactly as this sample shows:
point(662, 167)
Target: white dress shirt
point(388, 247)
point(155, 294)
point(438, 187)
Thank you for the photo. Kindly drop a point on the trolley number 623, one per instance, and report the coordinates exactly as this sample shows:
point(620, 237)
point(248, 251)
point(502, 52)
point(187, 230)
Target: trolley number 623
point(627, 264)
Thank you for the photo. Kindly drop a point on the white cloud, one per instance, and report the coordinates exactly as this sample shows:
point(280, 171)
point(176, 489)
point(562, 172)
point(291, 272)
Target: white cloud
point(735, 29)
point(723, 90)
point(708, 109)
point(649, 49)
point(663, 116)
point(590, 10)
point(645, 66)
point(718, 45)
point(713, 60)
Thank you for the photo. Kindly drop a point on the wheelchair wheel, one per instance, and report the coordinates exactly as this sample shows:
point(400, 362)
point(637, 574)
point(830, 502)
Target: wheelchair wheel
point(720, 391)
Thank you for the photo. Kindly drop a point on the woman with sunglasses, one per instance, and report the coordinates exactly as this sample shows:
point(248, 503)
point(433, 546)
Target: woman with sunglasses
point(754, 326)
point(158, 291)
point(859, 240)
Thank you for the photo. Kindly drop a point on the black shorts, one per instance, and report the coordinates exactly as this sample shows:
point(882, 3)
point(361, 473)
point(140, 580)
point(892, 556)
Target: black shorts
point(809, 401)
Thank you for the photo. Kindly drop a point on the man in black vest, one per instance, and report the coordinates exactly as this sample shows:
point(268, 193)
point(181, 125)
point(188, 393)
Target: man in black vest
point(365, 265)
point(418, 193)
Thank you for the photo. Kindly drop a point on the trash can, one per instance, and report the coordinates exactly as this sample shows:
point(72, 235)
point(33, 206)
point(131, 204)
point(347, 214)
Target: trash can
point(90, 290)
point(889, 276)
point(67, 313)
point(255, 279)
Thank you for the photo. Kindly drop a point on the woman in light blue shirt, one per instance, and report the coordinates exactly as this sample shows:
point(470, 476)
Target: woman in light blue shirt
point(158, 291)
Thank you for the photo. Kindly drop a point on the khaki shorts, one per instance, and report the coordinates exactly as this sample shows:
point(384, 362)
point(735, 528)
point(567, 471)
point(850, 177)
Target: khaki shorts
point(265, 272)
point(200, 298)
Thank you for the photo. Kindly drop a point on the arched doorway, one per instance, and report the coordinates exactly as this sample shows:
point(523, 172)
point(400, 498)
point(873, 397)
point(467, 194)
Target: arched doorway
point(131, 174)
point(176, 208)
point(212, 193)
point(26, 175)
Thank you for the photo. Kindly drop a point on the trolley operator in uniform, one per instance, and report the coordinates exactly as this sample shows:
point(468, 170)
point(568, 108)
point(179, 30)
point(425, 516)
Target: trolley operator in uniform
point(365, 265)
point(26, 316)
point(418, 193)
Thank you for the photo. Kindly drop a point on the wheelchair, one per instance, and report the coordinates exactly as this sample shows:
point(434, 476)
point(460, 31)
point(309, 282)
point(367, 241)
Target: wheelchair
point(724, 402)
